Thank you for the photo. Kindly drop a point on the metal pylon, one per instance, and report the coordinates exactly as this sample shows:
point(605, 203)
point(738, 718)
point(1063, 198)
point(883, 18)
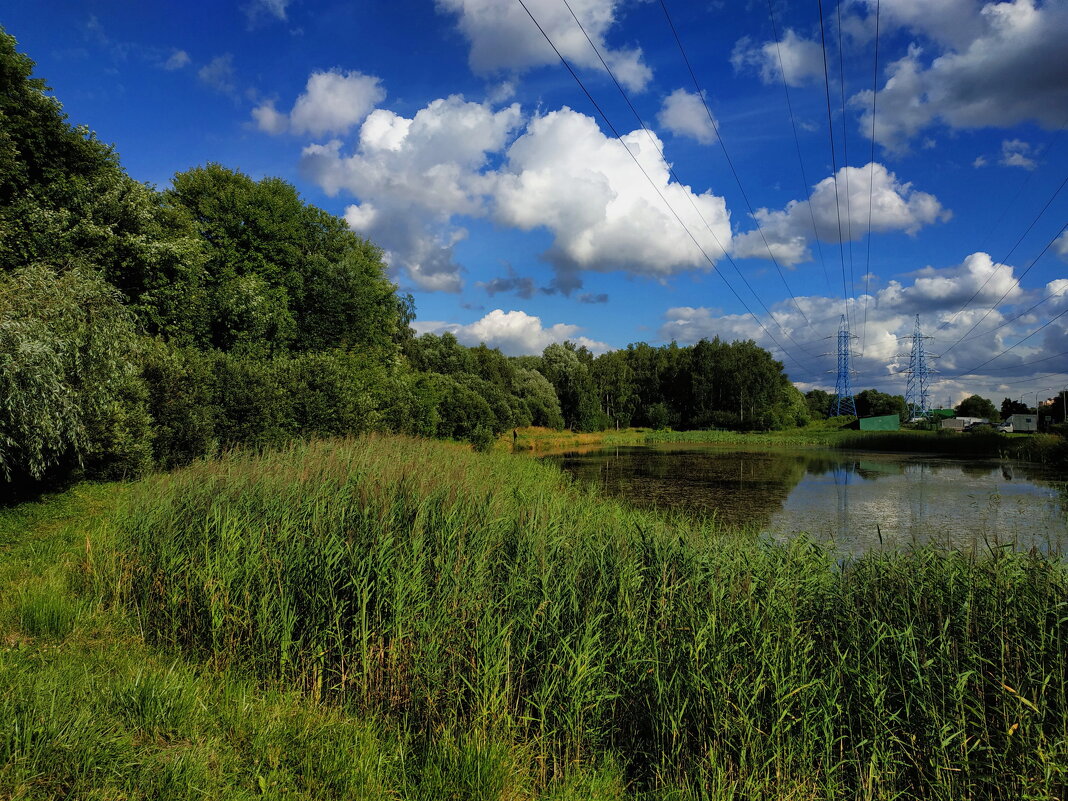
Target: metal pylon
point(843, 387)
point(917, 392)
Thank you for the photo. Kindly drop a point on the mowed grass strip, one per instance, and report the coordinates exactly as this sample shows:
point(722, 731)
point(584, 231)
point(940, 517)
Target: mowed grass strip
point(484, 598)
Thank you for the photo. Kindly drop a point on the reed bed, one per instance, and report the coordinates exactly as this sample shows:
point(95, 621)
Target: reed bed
point(811, 435)
point(485, 598)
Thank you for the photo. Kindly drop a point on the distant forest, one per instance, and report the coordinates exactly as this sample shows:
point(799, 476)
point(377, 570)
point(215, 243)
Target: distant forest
point(142, 329)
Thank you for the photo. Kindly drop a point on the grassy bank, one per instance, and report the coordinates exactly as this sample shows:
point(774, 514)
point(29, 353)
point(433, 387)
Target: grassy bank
point(546, 440)
point(538, 440)
point(449, 597)
point(89, 710)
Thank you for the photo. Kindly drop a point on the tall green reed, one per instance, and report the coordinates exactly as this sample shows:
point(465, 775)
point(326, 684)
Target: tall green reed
point(458, 593)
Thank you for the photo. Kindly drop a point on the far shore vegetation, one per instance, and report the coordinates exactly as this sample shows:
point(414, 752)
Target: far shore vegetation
point(258, 539)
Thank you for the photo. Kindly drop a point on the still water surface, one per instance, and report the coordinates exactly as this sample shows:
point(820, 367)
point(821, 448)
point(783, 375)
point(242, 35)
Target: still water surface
point(854, 500)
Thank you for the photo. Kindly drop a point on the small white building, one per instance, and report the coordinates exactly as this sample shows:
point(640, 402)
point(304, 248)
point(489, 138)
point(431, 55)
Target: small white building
point(1021, 423)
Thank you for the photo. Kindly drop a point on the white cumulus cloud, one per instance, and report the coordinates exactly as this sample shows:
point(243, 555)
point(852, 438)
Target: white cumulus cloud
point(333, 102)
point(995, 65)
point(684, 114)
point(1017, 153)
point(800, 60)
point(1060, 246)
point(503, 37)
point(565, 175)
point(412, 176)
point(515, 333)
point(895, 206)
point(455, 158)
point(946, 288)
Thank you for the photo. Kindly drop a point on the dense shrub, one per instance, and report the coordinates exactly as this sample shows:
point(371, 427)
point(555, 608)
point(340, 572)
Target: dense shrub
point(69, 393)
point(181, 403)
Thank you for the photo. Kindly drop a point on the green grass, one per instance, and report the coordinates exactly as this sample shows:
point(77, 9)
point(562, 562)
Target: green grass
point(519, 637)
point(809, 435)
point(88, 710)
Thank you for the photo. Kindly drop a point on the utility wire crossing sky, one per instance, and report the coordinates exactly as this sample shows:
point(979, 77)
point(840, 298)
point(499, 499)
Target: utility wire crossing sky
point(613, 171)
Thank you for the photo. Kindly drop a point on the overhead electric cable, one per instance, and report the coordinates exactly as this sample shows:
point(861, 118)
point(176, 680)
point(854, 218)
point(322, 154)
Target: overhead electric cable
point(845, 162)
point(834, 161)
point(1014, 318)
point(671, 171)
point(871, 180)
point(1019, 190)
point(674, 213)
point(1034, 378)
point(1015, 283)
point(730, 163)
point(1005, 260)
point(1038, 361)
point(1046, 324)
point(807, 188)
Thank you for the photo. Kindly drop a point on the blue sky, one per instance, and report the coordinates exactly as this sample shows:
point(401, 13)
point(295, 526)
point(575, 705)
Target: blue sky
point(449, 132)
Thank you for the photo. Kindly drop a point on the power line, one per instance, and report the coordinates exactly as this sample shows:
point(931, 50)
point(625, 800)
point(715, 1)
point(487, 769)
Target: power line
point(1019, 190)
point(1038, 361)
point(834, 161)
point(1014, 318)
point(1003, 262)
point(1015, 283)
point(797, 142)
point(671, 170)
point(845, 161)
point(1015, 344)
point(730, 163)
point(1039, 377)
point(674, 213)
point(871, 178)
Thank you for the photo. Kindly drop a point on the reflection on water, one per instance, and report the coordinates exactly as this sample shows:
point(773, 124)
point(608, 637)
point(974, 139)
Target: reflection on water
point(857, 501)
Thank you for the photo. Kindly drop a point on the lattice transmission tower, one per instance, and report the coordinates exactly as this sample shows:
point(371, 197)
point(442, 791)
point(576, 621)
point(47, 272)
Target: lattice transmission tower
point(917, 389)
point(844, 403)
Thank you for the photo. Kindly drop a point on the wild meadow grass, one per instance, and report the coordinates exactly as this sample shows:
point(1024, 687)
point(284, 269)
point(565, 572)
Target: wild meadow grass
point(88, 710)
point(521, 637)
point(810, 435)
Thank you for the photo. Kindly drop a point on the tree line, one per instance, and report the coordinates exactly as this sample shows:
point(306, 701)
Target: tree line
point(142, 329)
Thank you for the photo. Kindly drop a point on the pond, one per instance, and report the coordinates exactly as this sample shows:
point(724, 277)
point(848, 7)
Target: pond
point(854, 500)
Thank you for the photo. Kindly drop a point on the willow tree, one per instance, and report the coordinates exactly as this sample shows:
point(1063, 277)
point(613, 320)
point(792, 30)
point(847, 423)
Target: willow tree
point(69, 394)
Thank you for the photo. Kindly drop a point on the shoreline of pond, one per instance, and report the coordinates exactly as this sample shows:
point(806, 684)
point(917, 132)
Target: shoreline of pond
point(1046, 449)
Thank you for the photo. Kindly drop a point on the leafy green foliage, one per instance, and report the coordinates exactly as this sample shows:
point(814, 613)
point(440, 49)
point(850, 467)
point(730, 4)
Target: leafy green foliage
point(69, 395)
point(65, 200)
point(539, 398)
point(281, 274)
point(872, 403)
point(977, 406)
point(180, 385)
point(567, 369)
point(1009, 407)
